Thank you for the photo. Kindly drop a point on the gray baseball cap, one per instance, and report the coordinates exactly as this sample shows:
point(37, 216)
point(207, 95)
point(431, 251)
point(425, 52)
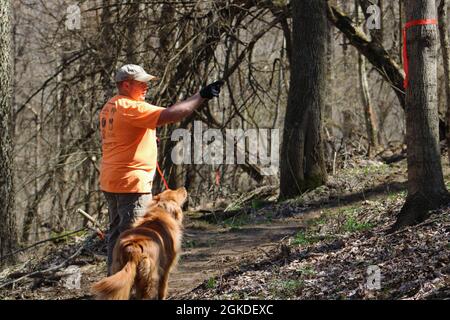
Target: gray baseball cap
point(133, 72)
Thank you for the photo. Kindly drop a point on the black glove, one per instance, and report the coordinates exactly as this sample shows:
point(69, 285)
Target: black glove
point(211, 90)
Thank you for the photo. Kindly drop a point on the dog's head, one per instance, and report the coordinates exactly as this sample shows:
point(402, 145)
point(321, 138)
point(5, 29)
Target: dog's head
point(172, 201)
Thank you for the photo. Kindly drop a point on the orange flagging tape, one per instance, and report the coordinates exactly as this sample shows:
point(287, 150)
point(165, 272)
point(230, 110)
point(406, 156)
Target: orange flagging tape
point(405, 50)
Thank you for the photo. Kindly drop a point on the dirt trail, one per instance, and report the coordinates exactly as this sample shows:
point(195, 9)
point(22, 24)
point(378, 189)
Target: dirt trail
point(212, 252)
point(211, 249)
point(208, 250)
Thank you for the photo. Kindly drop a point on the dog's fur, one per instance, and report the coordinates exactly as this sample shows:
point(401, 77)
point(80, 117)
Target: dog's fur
point(144, 254)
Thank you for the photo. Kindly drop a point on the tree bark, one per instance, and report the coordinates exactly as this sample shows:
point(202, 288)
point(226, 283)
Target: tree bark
point(445, 47)
point(302, 162)
point(8, 235)
point(108, 39)
point(166, 43)
point(133, 29)
point(426, 188)
point(369, 115)
point(329, 101)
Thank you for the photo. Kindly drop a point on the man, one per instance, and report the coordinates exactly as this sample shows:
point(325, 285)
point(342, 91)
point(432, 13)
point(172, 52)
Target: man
point(129, 148)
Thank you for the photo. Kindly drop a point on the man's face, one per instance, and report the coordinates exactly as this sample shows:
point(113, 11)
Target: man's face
point(136, 89)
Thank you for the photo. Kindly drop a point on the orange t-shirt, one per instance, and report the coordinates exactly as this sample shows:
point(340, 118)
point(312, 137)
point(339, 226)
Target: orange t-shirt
point(128, 145)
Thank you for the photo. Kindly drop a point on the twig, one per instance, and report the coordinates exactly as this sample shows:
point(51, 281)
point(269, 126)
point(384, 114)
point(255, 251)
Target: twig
point(264, 251)
point(98, 229)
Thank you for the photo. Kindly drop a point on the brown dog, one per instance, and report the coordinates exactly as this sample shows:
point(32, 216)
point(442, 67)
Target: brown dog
point(144, 255)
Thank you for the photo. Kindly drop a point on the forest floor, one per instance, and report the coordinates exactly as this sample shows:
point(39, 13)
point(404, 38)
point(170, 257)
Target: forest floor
point(318, 246)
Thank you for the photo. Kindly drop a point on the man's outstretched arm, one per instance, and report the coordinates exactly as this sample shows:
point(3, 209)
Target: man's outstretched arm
point(182, 109)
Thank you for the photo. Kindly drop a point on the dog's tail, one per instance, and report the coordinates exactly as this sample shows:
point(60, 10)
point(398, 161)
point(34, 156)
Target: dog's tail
point(118, 286)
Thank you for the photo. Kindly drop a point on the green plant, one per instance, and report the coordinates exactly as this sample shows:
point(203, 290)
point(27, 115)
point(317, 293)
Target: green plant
point(447, 184)
point(258, 204)
point(234, 223)
point(211, 284)
point(286, 288)
point(395, 195)
point(301, 238)
point(306, 271)
point(353, 225)
point(348, 211)
point(269, 216)
point(318, 221)
point(65, 236)
point(190, 244)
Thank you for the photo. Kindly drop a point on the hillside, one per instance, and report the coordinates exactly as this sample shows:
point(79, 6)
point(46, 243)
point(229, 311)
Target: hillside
point(318, 246)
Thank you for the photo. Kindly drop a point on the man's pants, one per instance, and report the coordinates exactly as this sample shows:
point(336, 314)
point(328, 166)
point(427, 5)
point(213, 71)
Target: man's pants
point(123, 209)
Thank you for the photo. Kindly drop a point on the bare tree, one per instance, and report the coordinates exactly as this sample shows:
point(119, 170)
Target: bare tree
point(369, 114)
point(426, 188)
point(302, 163)
point(445, 47)
point(8, 237)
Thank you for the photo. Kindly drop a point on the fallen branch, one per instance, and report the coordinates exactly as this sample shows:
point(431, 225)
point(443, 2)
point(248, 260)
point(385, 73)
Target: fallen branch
point(261, 192)
point(41, 242)
point(54, 268)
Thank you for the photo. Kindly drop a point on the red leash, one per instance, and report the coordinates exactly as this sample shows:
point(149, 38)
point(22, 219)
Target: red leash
point(162, 175)
point(160, 171)
point(412, 23)
point(217, 177)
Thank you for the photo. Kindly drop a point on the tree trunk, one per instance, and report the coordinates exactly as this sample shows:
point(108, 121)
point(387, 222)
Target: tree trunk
point(109, 47)
point(8, 236)
point(166, 43)
point(400, 27)
point(426, 188)
point(443, 35)
point(369, 115)
point(133, 29)
point(329, 100)
point(302, 162)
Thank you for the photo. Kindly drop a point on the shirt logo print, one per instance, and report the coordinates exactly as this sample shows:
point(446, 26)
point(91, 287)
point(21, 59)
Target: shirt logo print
point(111, 119)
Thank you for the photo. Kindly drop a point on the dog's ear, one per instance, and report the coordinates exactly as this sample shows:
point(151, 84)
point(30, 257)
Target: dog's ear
point(181, 196)
point(174, 209)
point(156, 198)
point(178, 214)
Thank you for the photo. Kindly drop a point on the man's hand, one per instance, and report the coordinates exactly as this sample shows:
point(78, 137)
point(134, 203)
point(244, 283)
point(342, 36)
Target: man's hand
point(212, 90)
point(182, 109)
